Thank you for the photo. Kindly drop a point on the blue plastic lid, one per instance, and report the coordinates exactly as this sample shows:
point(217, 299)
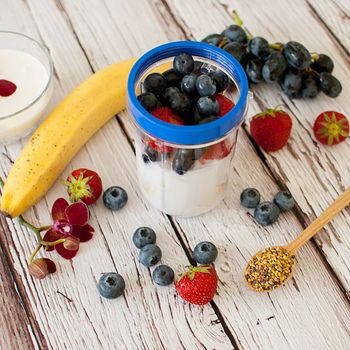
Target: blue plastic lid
point(188, 134)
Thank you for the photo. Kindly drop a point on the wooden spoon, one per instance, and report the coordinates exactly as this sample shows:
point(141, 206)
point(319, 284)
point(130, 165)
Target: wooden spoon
point(263, 265)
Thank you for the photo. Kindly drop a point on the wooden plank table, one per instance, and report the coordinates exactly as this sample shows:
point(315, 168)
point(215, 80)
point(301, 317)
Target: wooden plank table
point(65, 310)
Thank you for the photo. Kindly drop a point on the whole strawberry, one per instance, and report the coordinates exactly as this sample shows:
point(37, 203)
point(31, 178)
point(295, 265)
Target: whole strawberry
point(271, 129)
point(198, 285)
point(331, 128)
point(84, 185)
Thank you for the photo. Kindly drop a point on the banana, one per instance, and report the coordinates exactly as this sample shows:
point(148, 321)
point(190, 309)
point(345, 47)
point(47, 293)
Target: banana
point(67, 128)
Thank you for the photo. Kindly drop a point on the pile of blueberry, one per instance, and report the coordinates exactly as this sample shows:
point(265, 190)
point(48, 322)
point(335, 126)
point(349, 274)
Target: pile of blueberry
point(266, 213)
point(299, 72)
point(187, 89)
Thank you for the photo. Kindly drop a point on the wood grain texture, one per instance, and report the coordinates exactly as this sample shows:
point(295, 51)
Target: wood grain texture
point(67, 307)
point(85, 35)
point(248, 316)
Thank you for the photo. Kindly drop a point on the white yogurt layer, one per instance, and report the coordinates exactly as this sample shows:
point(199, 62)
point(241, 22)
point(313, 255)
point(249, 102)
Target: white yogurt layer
point(31, 78)
point(198, 191)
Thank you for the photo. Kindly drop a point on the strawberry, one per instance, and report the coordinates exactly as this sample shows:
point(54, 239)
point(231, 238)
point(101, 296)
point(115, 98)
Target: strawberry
point(167, 115)
point(271, 129)
point(198, 285)
point(84, 185)
point(225, 104)
point(218, 151)
point(331, 128)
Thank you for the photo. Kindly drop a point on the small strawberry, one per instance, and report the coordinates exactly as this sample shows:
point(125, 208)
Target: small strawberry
point(225, 104)
point(167, 115)
point(331, 128)
point(271, 129)
point(198, 285)
point(84, 185)
point(218, 151)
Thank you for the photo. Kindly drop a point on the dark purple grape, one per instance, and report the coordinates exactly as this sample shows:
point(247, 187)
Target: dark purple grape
point(213, 39)
point(297, 55)
point(237, 50)
point(329, 84)
point(258, 46)
point(274, 67)
point(254, 71)
point(323, 64)
point(309, 87)
point(291, 83)
point(235, 33)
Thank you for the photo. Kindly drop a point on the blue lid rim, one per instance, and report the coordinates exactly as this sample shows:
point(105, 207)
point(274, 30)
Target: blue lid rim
point(188, 134)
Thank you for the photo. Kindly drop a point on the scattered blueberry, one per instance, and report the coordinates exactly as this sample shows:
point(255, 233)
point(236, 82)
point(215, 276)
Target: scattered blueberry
point(205, 253)
point(143, 236)
point(205, 85)
point(220, 79)
point(188, 83)
point(163, 275)
point(266, 213)
point(115, 198)
point(148, 100)
point(111, 285)
point(250, 197)
point(183, 64)
point(150, 255)
point(207, 105)
point(155, 82)
point(172, 78)
point(284, 200)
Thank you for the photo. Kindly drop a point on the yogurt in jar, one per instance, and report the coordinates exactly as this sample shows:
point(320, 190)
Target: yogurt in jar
point(20, 111)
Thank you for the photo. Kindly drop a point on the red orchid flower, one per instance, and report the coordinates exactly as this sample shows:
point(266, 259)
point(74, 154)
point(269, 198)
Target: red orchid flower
point(69, 222)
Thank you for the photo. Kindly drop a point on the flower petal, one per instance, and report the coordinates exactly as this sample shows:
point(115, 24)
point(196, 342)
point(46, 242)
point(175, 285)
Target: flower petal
point(67, 254)
point(58, 209)
point(84, 233)
point(51, 236)
point(50, 264)
point(77, 214)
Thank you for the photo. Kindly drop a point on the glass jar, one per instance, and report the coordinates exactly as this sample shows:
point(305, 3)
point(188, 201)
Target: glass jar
point(183, 170)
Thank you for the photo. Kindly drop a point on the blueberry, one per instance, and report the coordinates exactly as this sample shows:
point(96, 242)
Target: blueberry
point(209, 119)
point(213, 39)
point(254, 71)
point(323, 64)
point(148, 100)
point(183, 160)
point(220, 79)
point(155, 82)
point(284, 200)
point(115, 198)
point(143, 236)
point(329, 84)
point(205, 253)
point(258, 46)
point(208, 106)
point(291, 83)
point(205, 85)
point(150, 255)
point(235, 33)
point(188, 83)
point(266, 213)
point(183, 64)
point(169, 93)
point(172, 78)
point(111, 285)
point(250, 197)
point(297, 55)
point(163, 275)
point(274, 67)
point(237, 50)
point(151, 154)
point(181, 103)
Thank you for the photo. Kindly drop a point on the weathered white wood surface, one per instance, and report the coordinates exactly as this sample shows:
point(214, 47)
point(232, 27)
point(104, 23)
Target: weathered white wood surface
point(98, 33)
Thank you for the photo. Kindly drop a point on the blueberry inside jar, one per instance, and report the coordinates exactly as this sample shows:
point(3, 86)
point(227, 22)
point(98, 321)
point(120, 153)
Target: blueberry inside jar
point(188, 100)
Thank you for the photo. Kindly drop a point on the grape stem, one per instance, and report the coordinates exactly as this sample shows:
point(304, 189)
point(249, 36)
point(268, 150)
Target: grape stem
point(238, 21)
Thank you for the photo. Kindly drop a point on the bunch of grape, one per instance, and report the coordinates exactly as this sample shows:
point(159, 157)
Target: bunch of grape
point(299, 73)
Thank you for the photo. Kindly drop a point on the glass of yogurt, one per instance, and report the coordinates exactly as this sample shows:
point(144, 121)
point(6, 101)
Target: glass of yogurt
point(183, 170)
point(26, 84)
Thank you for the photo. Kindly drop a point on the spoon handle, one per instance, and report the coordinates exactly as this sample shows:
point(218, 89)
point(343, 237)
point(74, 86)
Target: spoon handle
point(340, 203)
